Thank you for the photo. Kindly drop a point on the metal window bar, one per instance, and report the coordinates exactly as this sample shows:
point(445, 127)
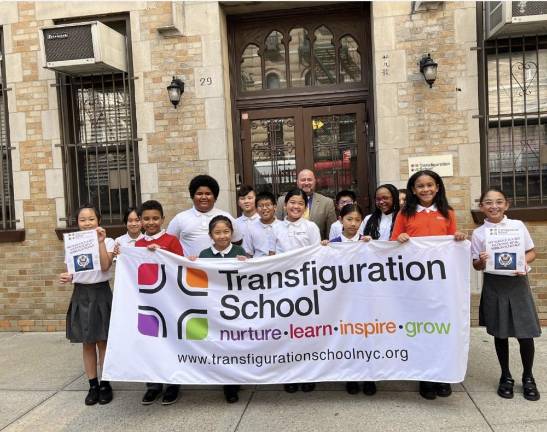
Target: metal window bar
point(7, 209)
point(516, 111)
point(99, 138)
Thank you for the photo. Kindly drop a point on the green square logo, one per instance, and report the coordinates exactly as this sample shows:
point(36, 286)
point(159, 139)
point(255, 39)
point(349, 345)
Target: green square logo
point(197, 328)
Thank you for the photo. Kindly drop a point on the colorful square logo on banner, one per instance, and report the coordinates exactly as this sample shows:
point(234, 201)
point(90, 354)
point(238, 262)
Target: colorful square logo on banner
point(193, 325)
point(151, 322)
point(151, 277)
point(195, 281)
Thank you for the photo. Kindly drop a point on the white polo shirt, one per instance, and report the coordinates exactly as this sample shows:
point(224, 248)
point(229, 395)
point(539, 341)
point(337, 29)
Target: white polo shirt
point(260, 239)
point(96, 276)
point(385, 225)
point(479, 236)
point(294, 235)
point(126, 240)
point(191, 227)
point(243, 223)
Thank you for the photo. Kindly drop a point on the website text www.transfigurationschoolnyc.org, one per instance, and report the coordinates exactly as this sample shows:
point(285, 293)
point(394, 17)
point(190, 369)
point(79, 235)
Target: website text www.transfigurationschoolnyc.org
point(259, 360)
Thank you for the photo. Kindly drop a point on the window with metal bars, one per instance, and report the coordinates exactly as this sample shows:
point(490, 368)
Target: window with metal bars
point(99, 143)
point(515, 110)
point(7, 210)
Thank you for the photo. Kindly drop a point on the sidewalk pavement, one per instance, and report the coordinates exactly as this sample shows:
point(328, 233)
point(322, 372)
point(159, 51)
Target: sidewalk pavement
point(42, 389)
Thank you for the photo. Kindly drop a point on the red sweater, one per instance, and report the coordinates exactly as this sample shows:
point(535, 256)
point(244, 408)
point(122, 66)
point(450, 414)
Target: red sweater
point(166, 241)
point(424, 224)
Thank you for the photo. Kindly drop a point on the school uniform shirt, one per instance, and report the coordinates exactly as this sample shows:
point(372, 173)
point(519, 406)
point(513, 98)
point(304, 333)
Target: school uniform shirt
point(385, 226)
point(478, 238)
point(293, 235)
point(344, 239)
point(126, 240)
point(191, 227)
point(243, 223)
point(427, 221)
point(231, 251)
point(95, 276)
point(165, 241)
point(336, 229)
point(260, 240)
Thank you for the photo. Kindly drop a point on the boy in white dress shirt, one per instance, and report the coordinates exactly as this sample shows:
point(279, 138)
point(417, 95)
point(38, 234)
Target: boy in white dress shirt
point(246, 197)
point(259, 240)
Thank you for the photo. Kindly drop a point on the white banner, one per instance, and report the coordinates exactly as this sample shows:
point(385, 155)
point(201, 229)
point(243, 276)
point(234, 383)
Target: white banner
point(344, 312)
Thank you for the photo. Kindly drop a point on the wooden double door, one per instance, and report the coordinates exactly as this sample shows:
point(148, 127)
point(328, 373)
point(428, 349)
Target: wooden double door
point(330, 140)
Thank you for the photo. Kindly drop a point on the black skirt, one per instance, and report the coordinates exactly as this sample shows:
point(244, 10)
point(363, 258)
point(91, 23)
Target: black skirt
point(88, 315)
point(507, 307)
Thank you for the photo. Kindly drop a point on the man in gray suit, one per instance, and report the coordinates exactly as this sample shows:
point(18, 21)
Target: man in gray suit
point(320, 208)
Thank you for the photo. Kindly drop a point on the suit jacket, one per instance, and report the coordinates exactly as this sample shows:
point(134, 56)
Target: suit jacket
point(322, 212)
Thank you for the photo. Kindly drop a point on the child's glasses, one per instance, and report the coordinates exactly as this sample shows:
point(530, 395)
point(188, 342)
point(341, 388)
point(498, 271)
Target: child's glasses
point(498, 203)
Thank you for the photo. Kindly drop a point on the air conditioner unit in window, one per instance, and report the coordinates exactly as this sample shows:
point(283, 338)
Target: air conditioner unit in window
point(517, 18)
point(83, 48)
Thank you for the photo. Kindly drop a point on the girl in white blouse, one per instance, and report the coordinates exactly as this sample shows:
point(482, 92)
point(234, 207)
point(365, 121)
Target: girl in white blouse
point(295, 231)
point(379, 224)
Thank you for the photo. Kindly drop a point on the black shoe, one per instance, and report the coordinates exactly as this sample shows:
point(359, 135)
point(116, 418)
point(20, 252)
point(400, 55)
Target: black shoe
point(352, 387)
point(308, 387)
point(443, 389)
point(505, 387)
point(230, 393)
point(291, 388)
point(92, 396)
point(105, 393)
point(171, 395)
point(428, 390)
point(529, 389)
point(150, 396)
point(369, 388)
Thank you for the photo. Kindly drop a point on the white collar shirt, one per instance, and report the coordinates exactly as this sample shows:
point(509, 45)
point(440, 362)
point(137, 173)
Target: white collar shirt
point(385, 225)
point(153, 237)
point(127, 240)
point(191, 227)
point(355, 238)
point(431, 208)
point(478, 239)
point(223, 252)
point(260, 240)
point(294, 235)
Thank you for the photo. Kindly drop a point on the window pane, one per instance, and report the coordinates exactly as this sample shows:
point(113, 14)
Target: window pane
point(517, 163)
point(335, 153)
point(274, 61)
point(513, 82)
point(273, 154)
point(324, 57)
point(517, 115)
point(350, 60)
point(251, 73)
point(299, 58)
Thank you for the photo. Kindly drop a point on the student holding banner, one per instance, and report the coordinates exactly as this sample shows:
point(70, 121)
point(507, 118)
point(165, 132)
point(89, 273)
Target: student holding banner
point(426, 213)
point(151, 215)
point(293, 233)
point(507, 307)
point(221, 231)
point(88, 315)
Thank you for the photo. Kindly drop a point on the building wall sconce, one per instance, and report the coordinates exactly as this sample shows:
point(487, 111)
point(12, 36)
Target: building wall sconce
point(429, 69)
point(175, 91)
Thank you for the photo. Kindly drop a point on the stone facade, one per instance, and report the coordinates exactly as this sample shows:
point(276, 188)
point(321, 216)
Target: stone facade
point(411, 120)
